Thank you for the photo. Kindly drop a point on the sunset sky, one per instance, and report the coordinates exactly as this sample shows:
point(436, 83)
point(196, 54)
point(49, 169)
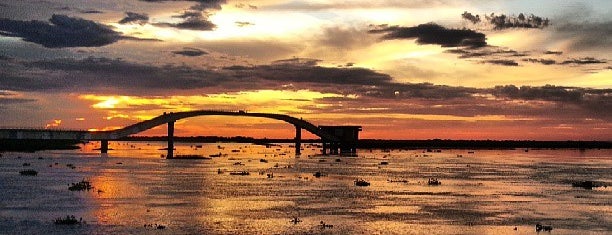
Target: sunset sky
point(449, 69)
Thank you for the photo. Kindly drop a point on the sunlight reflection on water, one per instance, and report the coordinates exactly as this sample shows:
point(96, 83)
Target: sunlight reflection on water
point(487, 192)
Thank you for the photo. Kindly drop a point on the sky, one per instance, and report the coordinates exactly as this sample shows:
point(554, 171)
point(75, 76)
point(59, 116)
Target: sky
point(447, 69)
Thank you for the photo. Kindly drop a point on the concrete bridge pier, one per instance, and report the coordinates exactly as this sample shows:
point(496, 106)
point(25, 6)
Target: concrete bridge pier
point(298, 140)
point(331, 146)
point(333, 150)
point(170, 140)
point(324, 150)
point(104, 146)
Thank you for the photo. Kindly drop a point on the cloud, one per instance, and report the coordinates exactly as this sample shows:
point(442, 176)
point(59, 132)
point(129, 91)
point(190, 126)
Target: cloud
point(368, 5)
point(502, 21)
point(61, 31)
point(133, 17)
point(91, 12)
point(598, 101)
point(307, 74)
point(585, 60)
point(485, 52)
point(189, 51)
point(502, 62)
point(11, 97)
point(113, 76)
point(192, 20)
point(541, 61)
point(586, 35)
point(553, 52)
point(472, 18)
point(307, 71)
point(344, 37)
point(434, 34)
point(103, 75)
point(392, 90)
point(201, 4)
point(243, 23)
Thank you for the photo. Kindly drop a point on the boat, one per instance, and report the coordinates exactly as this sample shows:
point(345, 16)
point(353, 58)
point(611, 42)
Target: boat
point(29, 172)
point(361, 182)
point(239, 173)
point(433, 181)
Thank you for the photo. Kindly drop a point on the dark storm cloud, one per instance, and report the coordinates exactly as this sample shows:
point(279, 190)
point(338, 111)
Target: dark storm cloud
point(433, 34)
point(502, 62)
point(509, 21)
point(133, 17)
point(61, 31)
point(192, 20)
point(541, 61)
point(189, 51)
point(585, 60)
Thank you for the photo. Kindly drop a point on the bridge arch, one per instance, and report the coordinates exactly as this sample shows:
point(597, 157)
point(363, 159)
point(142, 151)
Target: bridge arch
point(170, 118)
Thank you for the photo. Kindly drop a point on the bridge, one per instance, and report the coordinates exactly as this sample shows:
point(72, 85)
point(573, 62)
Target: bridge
point(334, 138)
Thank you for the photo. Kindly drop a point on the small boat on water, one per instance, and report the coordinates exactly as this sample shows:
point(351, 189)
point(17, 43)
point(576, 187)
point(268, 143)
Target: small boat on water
point(217, 155)
point(433, 181)
point(28, 172)
point(239, 173)
point(361, 182)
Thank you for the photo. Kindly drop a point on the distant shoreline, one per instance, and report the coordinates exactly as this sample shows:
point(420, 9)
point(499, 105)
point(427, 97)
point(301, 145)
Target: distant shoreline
point(38, 145)
point(401, 144)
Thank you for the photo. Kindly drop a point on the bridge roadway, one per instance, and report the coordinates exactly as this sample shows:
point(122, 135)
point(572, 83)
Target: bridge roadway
point(166, 118)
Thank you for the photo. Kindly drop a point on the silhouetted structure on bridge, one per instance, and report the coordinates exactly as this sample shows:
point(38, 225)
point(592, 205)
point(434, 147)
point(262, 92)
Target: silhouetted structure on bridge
point(347, 139)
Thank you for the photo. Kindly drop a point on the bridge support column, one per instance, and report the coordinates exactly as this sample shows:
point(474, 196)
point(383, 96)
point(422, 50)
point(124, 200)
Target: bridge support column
point(298, 140)
point(170, 140)
point(324, 151)
point(104, 146)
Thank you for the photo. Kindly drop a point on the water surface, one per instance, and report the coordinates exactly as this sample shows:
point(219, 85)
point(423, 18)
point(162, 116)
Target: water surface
point(484, 192)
